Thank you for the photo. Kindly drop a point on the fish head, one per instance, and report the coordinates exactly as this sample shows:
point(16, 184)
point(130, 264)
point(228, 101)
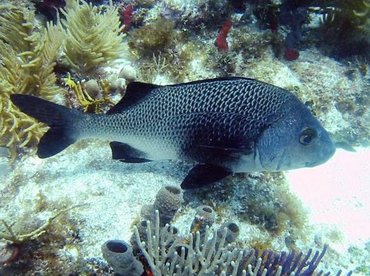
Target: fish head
point(296, 140)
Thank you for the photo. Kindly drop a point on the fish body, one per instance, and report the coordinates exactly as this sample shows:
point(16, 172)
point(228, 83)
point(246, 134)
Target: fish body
point(224, 125)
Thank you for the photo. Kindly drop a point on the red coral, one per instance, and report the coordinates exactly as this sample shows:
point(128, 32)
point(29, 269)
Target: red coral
point(221, 41)
point(127, 16)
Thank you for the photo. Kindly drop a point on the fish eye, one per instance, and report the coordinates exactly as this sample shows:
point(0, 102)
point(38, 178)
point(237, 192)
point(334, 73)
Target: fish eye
point(307, 136)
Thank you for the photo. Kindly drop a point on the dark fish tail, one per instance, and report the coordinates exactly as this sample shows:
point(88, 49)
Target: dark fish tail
point(61, 120)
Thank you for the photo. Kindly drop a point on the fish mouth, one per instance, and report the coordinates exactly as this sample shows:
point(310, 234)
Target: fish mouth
point(325, 156)
point(312, 164)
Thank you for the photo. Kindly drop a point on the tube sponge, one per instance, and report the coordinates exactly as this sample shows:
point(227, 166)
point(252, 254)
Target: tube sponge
point(119, 256)
point(93, 38)
point(205, 216)
point(232, 231)
point(167, 202)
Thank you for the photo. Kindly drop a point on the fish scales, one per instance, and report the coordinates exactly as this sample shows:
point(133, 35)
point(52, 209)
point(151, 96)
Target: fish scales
point(222, 98)
point(225, 125)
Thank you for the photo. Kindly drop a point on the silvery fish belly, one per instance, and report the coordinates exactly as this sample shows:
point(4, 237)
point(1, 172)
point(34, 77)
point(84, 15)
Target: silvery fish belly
point(223, 125)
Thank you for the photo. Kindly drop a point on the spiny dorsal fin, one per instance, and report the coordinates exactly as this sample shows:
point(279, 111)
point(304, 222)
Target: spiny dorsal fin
point(135, 92)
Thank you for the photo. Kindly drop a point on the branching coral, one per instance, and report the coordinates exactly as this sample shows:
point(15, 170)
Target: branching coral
point(93, 37)
point(168, 253)
point(27, 62)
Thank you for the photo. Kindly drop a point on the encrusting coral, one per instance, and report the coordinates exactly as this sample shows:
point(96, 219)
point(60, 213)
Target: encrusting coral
point(27, 63)
point(93, 36)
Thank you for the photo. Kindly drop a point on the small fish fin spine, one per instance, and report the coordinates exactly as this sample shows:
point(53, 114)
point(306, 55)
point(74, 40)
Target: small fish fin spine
point(61, 120)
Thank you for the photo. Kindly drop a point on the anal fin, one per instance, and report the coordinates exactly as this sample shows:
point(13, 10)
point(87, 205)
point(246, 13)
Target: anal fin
point(202, 175)
point(126, 153)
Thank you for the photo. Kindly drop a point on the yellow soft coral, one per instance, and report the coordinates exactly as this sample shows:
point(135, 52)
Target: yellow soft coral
point(27, 62)
point(93, 37)
point(87, 102)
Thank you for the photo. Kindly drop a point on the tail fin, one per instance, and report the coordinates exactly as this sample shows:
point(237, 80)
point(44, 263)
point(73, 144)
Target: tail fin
point(59, 118)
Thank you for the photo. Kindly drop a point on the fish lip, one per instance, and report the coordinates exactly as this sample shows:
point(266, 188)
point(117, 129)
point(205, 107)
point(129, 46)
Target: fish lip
point(311, 164)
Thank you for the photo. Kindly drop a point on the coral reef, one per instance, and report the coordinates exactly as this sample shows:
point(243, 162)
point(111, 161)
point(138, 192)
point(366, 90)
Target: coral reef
point(221, 39)
point(263, 200)
point(163, 42)
point(17, 238)
point(232, 232)
point(93, 36)
point(168, 202)
point(167, 253)
point(8, 253)
point(343, 31)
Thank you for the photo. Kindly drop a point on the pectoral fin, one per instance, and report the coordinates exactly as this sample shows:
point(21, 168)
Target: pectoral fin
point(126, 153)
point(202, 175)
point(227, 152)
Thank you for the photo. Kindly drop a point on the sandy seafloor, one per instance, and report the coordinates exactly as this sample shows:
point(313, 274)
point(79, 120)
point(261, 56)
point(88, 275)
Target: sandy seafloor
point(335, 195)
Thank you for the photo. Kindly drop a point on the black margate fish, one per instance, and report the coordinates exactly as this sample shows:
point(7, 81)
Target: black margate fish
point(224, 125)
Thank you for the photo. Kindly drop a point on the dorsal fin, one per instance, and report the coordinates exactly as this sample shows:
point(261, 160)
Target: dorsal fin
point(135, 92)
point(209, 80)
